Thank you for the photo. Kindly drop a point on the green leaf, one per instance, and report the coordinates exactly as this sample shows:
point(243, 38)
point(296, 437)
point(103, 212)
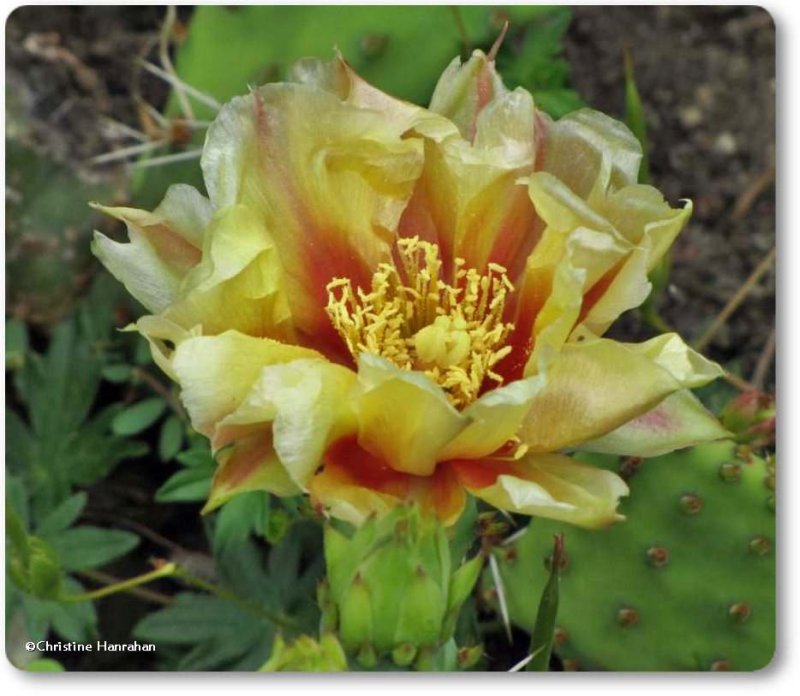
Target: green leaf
point(93, 451)
point(138, 417)
point(545, 626)
point(186, 486)
point(117, 373)
point(635, 117)
point(44, 664)
point(16, 343)
point(44, 572)
point(198, 457)
point(221, 633)
point(63, 516)
point(243, 515)
point(74, 621)
point(90, 547)
point(170, 439)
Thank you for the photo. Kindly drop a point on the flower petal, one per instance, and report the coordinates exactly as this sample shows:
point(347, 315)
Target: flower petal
point(164, 245)
point(551, 486)
point(591, 152)
point(307, 404)
point(250, 465)
point(469, 198)
point(678, 421)
point(595, 387)
point(329, 180)
point(464, 90)
point(237, 285)
point(355, 484)
point(403, 417)
point(216, 373)
point(495, 419)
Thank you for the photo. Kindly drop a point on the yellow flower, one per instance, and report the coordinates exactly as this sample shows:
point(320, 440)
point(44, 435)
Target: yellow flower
point(380, 302)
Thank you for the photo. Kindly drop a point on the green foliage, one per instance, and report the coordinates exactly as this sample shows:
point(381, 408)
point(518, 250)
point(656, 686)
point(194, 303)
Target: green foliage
point(59, 444)
point(531, 57)
point(544, 627)
point(685, 583)
point(44, 665)
point(307, 655)
point(134, 419)
point(191, 483)
point(233, 630)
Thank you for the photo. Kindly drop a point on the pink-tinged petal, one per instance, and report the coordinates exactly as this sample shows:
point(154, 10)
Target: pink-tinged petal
point(403, 417)
point(677, 422)
point(592, 153)
point(164, 245)
point(598, 385)
point(551, 486)
point(250, 465)
point(465, 90)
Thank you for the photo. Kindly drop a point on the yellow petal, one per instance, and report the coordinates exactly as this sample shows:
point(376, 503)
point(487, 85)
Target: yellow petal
point(164, 245)
point(596, 386)
point(237, 285)
point(329, 180)
point(403, 417)
point(551, 486)
point(687, 366)
point(250, 465)
point(464, 90)
point(469, 198)
point(306, 401)
point(678, 421)
point(216, 373)
point(495, 419)
point(591, 152)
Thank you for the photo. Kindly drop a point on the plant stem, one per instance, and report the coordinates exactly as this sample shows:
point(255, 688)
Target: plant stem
point(173, 570)
point(165, 571)
point(738, 297)
point(140, 592)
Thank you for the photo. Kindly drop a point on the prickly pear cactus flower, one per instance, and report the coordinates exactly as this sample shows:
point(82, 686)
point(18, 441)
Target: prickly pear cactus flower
point(379, 302)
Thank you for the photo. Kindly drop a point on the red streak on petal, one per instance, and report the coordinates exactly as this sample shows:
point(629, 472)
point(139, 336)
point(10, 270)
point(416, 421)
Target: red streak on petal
point(441, 492)
point(597, 290)
point(244, 461)
point(171, 247)
point(479, 473)
point(365, 469)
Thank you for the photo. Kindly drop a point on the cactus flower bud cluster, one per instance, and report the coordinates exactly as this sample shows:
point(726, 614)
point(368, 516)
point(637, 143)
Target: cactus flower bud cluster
point(392, 590)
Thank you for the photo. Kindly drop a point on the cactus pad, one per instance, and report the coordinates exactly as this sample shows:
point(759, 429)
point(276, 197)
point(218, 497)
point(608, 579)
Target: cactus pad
point(687, 582)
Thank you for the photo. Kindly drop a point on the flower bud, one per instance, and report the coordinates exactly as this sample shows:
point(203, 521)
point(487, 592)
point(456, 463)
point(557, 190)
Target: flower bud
point(307, 655)
point(392, 584)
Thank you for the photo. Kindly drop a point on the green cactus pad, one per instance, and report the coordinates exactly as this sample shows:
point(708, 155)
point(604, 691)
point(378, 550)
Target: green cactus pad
point(687, 582)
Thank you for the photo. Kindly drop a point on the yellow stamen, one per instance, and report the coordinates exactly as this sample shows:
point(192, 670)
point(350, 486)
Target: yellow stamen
point(412, 317)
